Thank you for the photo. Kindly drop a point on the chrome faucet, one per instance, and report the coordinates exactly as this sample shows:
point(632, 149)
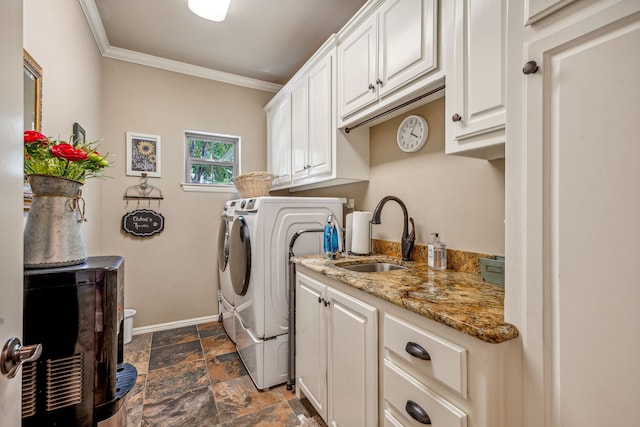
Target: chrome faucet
point(407, 238)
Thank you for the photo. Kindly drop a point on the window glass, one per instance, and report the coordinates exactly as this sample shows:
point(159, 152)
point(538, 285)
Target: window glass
point(211, 158)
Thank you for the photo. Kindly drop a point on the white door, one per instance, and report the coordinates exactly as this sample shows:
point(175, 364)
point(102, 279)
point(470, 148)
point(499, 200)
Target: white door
point(279, 123)
point(299, 129)
point(352, 364)
point(311, 350)
point(321, 126)
point(582, 206)
point(478, 71)
point(358, 67)
point(407, 35)
point(11, 84)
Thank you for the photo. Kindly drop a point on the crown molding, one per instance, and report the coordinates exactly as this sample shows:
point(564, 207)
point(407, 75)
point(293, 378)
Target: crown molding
point(92, 15)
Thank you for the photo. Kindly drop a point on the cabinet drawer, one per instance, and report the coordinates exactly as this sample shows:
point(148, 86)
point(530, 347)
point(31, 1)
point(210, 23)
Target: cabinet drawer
point(401, 392)
point(447, 362)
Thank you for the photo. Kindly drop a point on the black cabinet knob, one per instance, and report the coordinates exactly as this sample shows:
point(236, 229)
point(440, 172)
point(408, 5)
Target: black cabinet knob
point(530, 68)
point(371, 86)
point(456, 118)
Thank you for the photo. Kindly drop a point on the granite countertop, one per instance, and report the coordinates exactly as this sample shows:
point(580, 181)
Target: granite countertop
point(459, 300)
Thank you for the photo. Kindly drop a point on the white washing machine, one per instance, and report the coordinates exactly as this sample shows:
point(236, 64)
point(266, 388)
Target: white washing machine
point(259, 272)
point(226, 293)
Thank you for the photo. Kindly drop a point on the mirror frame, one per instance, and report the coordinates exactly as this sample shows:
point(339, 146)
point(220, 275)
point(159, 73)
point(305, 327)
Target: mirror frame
point(32, 67)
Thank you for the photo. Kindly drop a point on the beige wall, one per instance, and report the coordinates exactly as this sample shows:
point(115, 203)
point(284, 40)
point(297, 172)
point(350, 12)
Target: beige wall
point(172, 276)
point(56, 34)
point(458, 197)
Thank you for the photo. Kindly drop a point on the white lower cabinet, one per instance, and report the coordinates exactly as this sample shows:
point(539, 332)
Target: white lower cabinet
point(336, 354)
point(363, 361)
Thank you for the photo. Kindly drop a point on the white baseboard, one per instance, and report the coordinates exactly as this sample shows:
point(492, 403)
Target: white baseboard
point(173, 325)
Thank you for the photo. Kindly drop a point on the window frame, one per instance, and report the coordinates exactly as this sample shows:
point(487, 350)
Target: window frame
point(189, 161)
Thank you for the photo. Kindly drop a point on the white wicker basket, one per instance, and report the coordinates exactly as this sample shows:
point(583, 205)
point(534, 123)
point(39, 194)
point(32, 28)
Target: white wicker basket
point(253, 184)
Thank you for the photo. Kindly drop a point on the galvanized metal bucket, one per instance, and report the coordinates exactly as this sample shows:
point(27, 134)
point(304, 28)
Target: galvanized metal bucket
point(52, 235)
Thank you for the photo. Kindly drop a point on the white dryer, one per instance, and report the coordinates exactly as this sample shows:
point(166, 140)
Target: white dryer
point(259, 272)
point(226, 293)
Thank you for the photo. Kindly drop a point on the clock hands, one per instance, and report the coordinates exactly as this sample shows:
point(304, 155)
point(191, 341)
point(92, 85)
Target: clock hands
point(414, 128)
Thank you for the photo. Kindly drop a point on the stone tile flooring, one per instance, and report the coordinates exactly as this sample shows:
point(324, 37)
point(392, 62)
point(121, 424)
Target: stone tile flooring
point(193, 377)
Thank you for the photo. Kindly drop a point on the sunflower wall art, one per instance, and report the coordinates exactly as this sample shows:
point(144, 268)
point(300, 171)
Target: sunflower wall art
point(143, 154)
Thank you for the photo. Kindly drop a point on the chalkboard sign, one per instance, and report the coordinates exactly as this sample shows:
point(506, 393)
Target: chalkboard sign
point(142, 223)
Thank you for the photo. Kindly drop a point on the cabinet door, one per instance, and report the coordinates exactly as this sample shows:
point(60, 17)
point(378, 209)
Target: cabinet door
point(352, 361)
point(311, 339)
point(299, 129)
point(321, 121)
point(407, 36)
point(580, 174)
point(358, 67)
point(476, 76)
point(279, 131)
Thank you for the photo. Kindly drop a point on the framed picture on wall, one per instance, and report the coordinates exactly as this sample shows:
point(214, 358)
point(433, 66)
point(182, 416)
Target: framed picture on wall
point(143, 154)
point(78, 134)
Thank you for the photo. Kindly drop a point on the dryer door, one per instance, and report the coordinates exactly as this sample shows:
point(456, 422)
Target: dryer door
point(240, 256)
point(223, 243)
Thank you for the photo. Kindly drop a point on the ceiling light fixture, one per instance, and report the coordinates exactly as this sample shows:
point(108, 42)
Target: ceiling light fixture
point(213, 10)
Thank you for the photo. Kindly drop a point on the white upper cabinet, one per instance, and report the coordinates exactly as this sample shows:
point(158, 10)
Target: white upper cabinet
point(406, 42)
point(358, 67)
point(391, 48)
point(279, 135)
point(312, 122)
point(305, 145)
point(475, 92)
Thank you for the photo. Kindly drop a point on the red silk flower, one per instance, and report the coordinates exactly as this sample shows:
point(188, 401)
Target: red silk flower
point(34, 136)
point(68, 152)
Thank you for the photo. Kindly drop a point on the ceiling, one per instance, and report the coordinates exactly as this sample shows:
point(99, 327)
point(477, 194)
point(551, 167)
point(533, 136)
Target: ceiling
point(262, 40)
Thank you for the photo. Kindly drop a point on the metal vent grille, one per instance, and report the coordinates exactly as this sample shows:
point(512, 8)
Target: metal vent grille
point(29, 389)
point(64, 381)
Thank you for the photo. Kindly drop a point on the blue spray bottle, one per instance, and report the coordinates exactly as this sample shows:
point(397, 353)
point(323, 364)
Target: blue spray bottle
point(330, 237)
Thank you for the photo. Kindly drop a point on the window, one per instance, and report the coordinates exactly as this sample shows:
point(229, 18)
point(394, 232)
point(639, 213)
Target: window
point(211, 159)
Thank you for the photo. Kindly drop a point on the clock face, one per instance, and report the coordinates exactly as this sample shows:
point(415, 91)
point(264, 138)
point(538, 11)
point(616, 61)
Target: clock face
point(412, 133)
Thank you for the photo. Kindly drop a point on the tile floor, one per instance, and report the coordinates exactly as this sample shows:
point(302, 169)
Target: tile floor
point(193, 377)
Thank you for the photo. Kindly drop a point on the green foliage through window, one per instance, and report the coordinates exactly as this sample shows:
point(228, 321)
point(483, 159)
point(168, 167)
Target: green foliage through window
point(211, 159)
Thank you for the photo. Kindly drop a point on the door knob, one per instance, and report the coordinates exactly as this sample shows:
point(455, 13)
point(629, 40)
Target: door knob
point(371, 86)
point(14, 355)
point(456, 118)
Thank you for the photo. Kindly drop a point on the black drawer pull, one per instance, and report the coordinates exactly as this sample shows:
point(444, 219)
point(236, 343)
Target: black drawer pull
point(416, 350)
point(417, 413)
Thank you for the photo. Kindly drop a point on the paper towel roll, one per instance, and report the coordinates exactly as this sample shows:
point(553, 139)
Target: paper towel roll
point(361, 233)
point(348, 226)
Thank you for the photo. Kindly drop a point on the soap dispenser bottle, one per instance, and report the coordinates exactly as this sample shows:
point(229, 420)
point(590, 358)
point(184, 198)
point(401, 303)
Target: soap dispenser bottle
point(437, 253)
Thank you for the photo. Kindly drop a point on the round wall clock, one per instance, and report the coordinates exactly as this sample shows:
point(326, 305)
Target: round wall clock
point(412, 133)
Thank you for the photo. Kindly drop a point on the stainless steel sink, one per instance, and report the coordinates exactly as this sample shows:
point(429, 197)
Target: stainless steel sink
point(372, 267)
